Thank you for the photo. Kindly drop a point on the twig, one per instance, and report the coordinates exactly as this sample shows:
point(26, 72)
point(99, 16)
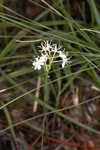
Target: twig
point(35, 105)
point(21, 41)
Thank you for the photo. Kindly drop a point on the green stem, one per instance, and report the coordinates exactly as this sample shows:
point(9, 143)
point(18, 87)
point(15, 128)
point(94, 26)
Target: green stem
point(46, 95)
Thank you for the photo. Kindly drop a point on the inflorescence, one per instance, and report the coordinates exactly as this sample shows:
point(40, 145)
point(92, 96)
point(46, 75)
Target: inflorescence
point(49, 53)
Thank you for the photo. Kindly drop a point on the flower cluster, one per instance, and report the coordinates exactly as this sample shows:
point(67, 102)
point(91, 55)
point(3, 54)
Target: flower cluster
point(49, 52)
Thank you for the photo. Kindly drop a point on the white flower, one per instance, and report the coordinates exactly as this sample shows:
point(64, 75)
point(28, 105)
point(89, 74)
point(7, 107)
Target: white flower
point(55, 48)
point(36, 64)
point(46, 46)
point(64, 62)
point(62, 55)
point(43, 58)
point(65, 59)
point(50, 52)
point(39, 62)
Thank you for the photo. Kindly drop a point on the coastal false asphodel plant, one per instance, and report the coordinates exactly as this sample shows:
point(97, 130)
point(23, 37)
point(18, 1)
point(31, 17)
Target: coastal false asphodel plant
point(49, 54)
